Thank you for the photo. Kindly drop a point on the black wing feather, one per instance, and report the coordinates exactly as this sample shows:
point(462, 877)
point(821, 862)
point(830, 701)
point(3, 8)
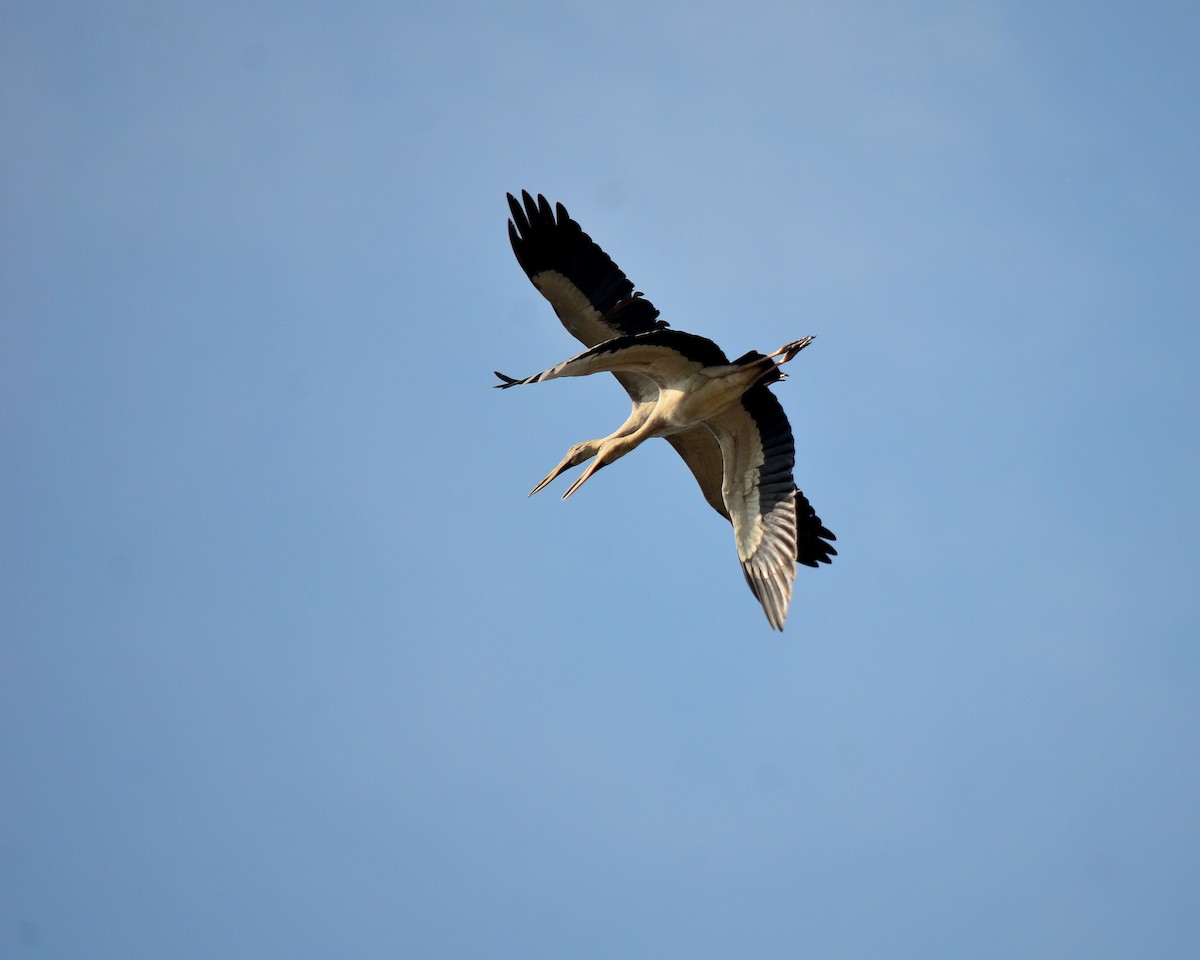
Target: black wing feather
point(547, 240)
point(775, 480)
point(698, 349)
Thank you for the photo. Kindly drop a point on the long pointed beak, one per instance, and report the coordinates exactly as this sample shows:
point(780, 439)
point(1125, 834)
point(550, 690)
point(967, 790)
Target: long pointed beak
point(575, 486)
point(591, 468)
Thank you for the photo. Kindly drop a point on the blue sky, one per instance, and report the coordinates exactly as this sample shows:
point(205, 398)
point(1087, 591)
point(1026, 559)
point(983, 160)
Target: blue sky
point(293, 668)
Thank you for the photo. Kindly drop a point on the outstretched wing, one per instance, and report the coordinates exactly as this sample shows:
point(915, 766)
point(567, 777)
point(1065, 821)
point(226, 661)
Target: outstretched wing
point(702, 453)
point(773, 524)
point(594, 300)
point(662, 357)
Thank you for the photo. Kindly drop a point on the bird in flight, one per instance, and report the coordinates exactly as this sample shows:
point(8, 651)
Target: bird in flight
point(719, 415)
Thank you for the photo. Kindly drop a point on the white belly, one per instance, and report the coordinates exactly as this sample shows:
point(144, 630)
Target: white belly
point(682, 409)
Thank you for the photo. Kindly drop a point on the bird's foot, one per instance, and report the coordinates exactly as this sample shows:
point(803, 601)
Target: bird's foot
point(789, 350)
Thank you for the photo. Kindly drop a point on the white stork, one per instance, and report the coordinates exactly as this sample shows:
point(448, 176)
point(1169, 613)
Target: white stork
point(719, 416)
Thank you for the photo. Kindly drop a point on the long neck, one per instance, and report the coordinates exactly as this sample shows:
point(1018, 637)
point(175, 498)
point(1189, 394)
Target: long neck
point(613, 448)
point(617, 446)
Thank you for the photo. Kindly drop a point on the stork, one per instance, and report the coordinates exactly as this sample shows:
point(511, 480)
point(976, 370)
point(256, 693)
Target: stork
point(719, 415)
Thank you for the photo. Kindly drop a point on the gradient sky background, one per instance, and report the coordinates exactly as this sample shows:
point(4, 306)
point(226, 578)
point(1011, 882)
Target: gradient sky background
point(292, 668)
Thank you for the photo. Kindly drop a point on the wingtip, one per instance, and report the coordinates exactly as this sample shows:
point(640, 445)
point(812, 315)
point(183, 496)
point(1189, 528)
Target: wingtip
point(773, 594)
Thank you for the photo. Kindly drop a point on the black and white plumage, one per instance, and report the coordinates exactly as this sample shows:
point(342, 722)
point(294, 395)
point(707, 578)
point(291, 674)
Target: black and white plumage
point(719, 416)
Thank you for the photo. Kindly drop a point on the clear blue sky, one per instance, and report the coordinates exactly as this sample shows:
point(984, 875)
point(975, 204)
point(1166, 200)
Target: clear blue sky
point(292, 668)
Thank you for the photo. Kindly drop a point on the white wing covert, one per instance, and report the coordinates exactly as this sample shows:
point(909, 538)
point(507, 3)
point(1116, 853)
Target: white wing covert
point(760, 495)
